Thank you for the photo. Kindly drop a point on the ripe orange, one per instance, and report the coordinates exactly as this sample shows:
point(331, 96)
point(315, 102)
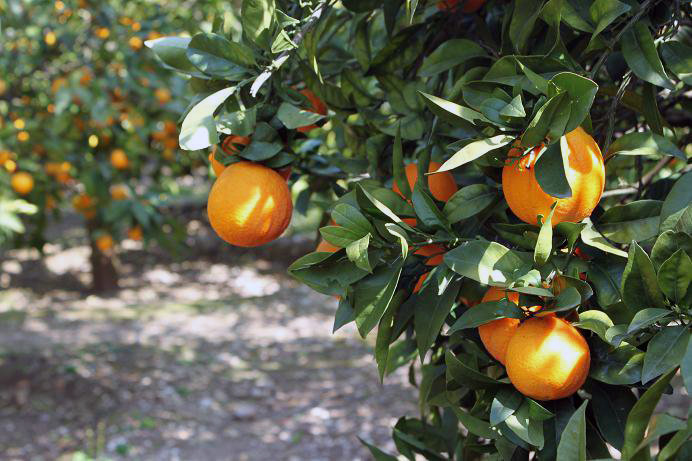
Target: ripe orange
point(162, 95)
point(23, 136)
point(104, 243)
point(119, 192)
point(469, 5)
point(22, 182)
point(495, 335)
point(547, 358)
point(135, 233)
point(441, 185)
point(327, 247)
point(135, 43)
point(229, 146)
point(585, 175)
point(419, 283)
point(249, 204)
point(316, 105)
point(82, 202)
point(119, 159)
point(433, 252)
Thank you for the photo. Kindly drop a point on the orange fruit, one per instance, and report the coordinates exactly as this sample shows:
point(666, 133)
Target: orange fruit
point(316, 105)
point(119, 192)
point(22, 182)
point(433, 252)
point(103, 33)
point(469, 5)
point(547, 358)
point(119, 159)
point(162, 95)
point(82, 202)
point(135, 233)
point(495, 335)
point(229, 146)
point(441, 185)
point(23, 136)
point(135, 43)
point(104, 243)
point(327, 247)
point(419, 283)
point(249, 204)
point(585, 175)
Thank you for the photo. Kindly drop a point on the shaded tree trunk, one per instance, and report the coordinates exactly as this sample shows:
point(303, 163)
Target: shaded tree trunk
point(104, 276)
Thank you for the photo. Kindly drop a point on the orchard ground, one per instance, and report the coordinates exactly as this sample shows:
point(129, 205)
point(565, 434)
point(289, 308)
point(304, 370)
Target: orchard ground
point(217, 353)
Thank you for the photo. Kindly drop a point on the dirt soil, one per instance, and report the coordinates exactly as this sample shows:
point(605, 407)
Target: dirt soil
point(217, 355)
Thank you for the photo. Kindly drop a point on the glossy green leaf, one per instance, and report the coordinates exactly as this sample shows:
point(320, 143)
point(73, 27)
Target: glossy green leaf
point(572, 446)
point(357, 252)
point(487, 312)
point(668, 243)
point(615, 365)
point(644, 143)
point(550, 120)
point(488, 262)
point(638, 418)
point(581, 92)
point(432, 312)
point(340, 236)
point(596, 321)
point(217, 56)
point(372, 295)
point(639, 282)
point(293, 117)
point(257, 17)
point(199, 128)
point(675, 276)
point(469, 201)
point(551, 173)
point(449, 54)
point(611, 405)
point(505, 403)
point(678, 58)
point(665, 351)
point(593, 238)
point(639, 50)
point(636, 221)
point(451, 112)
point(467, 376)
point(678, 199)
point(351, 218)
point(474, 150)
point(646, 317)
point(426, 209)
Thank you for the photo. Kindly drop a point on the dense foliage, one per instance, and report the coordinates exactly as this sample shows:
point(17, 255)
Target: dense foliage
point(470, 87)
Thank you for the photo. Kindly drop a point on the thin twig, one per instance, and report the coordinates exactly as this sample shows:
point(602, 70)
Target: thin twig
point(613, 107)
point(645, 180)
point(609, 48)
point(283, 57)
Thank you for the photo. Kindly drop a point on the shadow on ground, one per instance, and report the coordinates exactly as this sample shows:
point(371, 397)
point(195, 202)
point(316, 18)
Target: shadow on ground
point(219, 357)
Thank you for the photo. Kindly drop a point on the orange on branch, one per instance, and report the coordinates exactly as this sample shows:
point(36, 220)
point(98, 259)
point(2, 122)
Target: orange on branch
point(495, 335)
point(441, 185)
point(119, 192)
point(22, 182)
point(317, 106)
point(229, 146)
point(547, 358)
point(585, 174)
point(119, 159)
point(135, 233)
point(434, 253)
point(249, 205)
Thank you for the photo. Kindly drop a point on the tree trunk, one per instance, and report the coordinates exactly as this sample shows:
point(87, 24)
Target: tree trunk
point(104, 276)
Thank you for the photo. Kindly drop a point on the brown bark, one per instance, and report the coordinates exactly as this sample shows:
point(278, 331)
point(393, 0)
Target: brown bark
point(104, 276)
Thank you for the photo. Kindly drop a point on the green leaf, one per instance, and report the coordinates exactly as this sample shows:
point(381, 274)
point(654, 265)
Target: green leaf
point(474, 150)
point(453, 113)
point(350, 218)
point(639, 51)
point(217, 56)
point(525, 427)
point(550, 120)
point(469, 201)
point(367, 201)
point(596, 321)
point(660, 425)
point(172, 52)
point(604, 12)
point(372, 295)
point(610, 405)
point(505, 403)
point(665, 351)
point(258, 151)
point(398, 167)
point(675, 276)
point(475, 425)
point(293, 117)
point(344, 314)
point(667, 244)
point(487, 262)
point(639, 286)
point(581, 92)
point(357, 252)
point(257, 18)
point(377, 454)
point(340, 236)
point(199, 128)
point(638, 418)
point(384, 334)
point(544, 244)
point(678, 58)
point(240, 123)
point(551, 173)
point(467, 376)
point(432, 312)
point(572, 446)
point(449, 54)
point(646, 317)
point(426, 209)
point(686, 368)
point(487, 312)
point(399, 233)
point(591, 237)
point(646, 143)
point(678, 199)
point(636, 221)
point(521, 25)
point(618, 366)
point(567, 300)
point(680, 439)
